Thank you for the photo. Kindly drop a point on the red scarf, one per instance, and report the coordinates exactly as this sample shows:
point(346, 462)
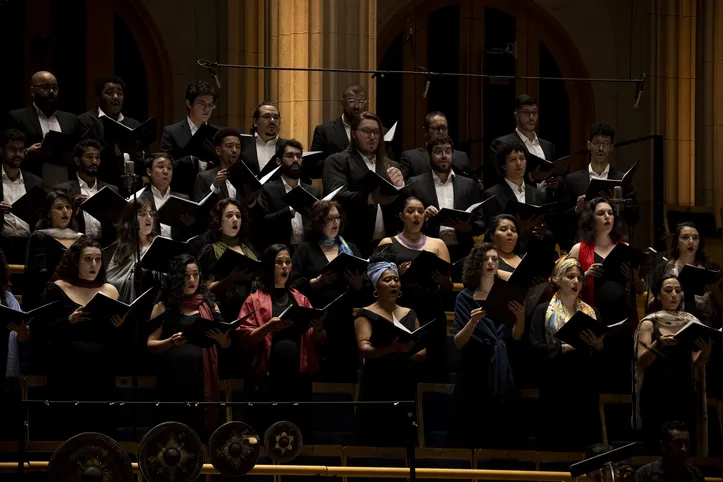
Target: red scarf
point(210, 358)
point(587, 258)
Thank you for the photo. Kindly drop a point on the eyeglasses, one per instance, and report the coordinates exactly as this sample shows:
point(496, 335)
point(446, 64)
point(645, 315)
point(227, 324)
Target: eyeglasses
point(333, 219)
point(370, 132)
point(439, 152)
point(686, 237)
point(205, 105)
point(439, 129)
point(268, 117)
point(528, 113)
point(355, 102)
point(144, 215)
point(47, 87)
point(292, 155)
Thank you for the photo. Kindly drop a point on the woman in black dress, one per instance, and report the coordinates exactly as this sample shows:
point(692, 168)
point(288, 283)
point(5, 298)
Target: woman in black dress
point(55, 232)
point(186, 372)
point(486, 406)
point(80, 350)
point(568, 388)
point(424, 296)
point(325, 223)
point(669, 380)
point(389, 372)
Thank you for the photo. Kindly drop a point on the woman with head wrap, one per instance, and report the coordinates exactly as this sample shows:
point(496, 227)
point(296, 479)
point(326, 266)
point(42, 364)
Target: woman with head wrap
point(389, 371)
point(568, 387)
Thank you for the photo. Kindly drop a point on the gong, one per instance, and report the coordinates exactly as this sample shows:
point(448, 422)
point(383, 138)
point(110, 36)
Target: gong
point(90, 457)
point(170, 451)
point(283, 442)
point(234, 448)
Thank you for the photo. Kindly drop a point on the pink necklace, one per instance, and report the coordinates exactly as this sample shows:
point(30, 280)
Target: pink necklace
point(410, 245)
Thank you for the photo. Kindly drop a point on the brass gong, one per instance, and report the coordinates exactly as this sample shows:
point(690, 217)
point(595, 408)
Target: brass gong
point(234, 448)
point(170, 451)
point(283, 442)
point(90, 457)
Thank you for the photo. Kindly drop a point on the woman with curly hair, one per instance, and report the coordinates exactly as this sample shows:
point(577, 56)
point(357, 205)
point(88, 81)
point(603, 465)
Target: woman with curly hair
point(485, 383)
point(324, 242)
point(80, 350)
point(131, 236)
point(186, 372)
point(55, 232)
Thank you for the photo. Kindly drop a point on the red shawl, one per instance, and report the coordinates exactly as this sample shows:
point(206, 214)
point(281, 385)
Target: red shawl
point(210, 359)
point(586, 257)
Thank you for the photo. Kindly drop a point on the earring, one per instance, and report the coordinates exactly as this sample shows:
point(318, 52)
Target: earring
point(400, 294)
point(375, 294)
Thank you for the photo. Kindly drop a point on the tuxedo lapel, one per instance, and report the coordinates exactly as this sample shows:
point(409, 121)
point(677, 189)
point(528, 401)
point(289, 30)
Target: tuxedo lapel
point(251, 157)
point(35, 122)
point(458, 194)
point(341, 132)
point(430, 192)
point(359, 162)
point(184, 133)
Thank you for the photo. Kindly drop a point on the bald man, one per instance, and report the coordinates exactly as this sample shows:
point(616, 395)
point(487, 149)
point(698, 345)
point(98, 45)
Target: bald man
point(39, 119)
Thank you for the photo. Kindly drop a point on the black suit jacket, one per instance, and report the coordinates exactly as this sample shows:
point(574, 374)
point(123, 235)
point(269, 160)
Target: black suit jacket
point(203, 183)
point(415, 162)
point(492, 167)
point(185, 168)
point(503, 193)
point(576, 184)
point(251, 158)
point(330, 138)
point(111, 168)
point(179, 234)
point(274, 214)
point(466, 193)
point(30, 180)
point(348, 169)
point(107, 230)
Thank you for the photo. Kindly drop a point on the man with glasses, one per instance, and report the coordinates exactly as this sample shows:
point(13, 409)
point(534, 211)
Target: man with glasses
point(39, 119)
point(282, 224)
point(526, 116)
point(333, 136)
point(259, 154)
point(415, 162)
point(200, 103)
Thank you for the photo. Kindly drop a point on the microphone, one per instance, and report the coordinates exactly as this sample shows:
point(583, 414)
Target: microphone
point(210, 66)
point(130, 171)
point(426, 87)
point(618, 193)
point(639, 86)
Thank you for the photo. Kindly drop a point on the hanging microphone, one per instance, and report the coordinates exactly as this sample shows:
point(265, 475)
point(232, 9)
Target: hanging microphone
point(639, 86)
point(130, 171)
point(426, 87)
point(211, 67)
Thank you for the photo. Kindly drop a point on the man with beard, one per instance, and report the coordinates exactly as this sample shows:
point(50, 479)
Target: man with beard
point(333, 136)
point(110, 94)
point(282, 224)
point(441, 188)
point(39, 119)
point(15, 183)
point(258, 154)
point(87, 159)
point(373, 215)
point(228, 149)
point(415, 162)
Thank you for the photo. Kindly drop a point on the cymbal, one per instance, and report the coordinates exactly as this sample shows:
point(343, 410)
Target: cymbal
point(90, 457)
point(170, 451)
point(234, 448)
point(283, 442)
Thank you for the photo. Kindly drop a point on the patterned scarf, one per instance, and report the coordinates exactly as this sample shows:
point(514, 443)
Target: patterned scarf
point(557, 315)
point(328, 242)
point(224, 242)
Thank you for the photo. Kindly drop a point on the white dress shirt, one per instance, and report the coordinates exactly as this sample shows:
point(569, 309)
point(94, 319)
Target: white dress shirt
point(229, 187)
point(159, 200)
point(533, 146)
point(445, 199)
point(518, 190)
point(13, 226)
point(202, 165)
point(297, 222)
point(92, 225)
point(47, 124)
point(595, 175)
point(265, 151)
point(347, 127)
point(101, 114)
point(379, 231)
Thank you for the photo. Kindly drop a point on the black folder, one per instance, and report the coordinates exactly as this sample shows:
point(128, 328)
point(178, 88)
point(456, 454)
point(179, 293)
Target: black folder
point(105, 205)
point(534, 264)
point(195, 334)
point(531, 211)
point(201, 144)
point(310, 164)
point(390, 331)
point(598, 186)
point(29, 207)
point(161, 252)
point(422, 267)
point(240, 174)
point(230, 260)
point(59, 142)
point(693, 279)
point(542, 169)
point(497, 303)
point(302, 200)
point(12, 317)
point(373, 181)
point(570, 331)
point(449, 216)
point(302, 315)
point(175, 207)
point(622, 253)
point(102, 307)
point(344, 262)
point(116, 132)
point(693, 330)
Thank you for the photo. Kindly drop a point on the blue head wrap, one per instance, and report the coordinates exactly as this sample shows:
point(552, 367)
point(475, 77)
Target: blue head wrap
point(375, 270)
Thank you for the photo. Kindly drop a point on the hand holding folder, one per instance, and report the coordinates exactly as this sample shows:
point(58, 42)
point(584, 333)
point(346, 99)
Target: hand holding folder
point(204, 333)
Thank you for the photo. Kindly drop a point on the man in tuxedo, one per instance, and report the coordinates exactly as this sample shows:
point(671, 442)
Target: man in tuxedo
point(39, 119)
point(110, 94)
point(87, 159)
point(442, 188)
point(228, 149)
point(512, 162)
point(159, 168)
point(333, 136)
point(200, 104)
point(526, 117)
point(258, 155)
point(374, 214)
point(600, 144)
point(415, 162)
point(282, 224)
point(15, 183)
